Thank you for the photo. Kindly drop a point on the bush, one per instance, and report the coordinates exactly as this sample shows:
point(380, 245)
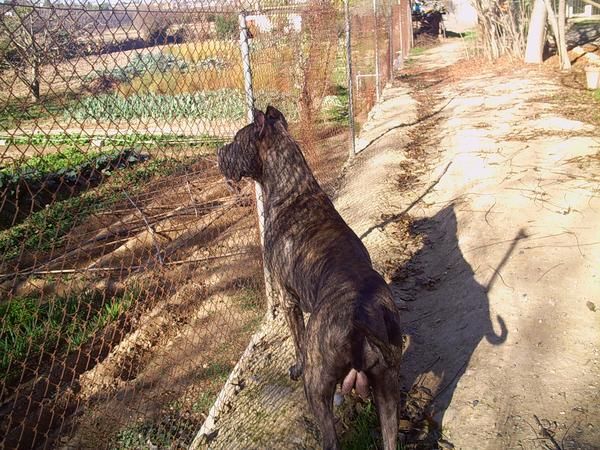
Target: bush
point(153, 26)
point(226, 26)
point(5, 51)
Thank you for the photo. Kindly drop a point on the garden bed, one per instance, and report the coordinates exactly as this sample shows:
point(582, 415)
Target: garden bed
point(43, 180)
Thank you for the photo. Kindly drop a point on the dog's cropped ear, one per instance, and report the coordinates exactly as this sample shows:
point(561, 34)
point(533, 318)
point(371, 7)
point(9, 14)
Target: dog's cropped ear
point(259, 122)
point(274, 114)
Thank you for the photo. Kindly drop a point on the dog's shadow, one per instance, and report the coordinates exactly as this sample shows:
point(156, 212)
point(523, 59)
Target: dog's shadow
point(446, 316)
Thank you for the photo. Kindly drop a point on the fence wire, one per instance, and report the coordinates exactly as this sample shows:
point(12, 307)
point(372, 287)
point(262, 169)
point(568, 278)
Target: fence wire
point(131, 275)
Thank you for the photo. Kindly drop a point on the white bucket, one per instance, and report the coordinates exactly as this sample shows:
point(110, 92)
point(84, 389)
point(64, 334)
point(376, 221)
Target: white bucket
point(592, 76)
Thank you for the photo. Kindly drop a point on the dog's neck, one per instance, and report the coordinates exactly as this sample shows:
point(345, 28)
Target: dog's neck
point(286, 174)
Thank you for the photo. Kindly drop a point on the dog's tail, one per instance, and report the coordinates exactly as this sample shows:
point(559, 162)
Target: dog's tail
point(376, 323)
point(381, 328)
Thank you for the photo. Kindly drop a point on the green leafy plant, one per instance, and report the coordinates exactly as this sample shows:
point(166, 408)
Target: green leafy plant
point(225, 103)
point(45, 229)
point(33, 324)
point(226, 25)
point(153, 63)
point(209, 105)
point(362, 431)
point(335, 107)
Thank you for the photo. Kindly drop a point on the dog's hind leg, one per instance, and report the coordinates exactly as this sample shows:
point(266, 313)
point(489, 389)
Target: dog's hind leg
point(295, 321)
point(320, 388)
point(386, 393)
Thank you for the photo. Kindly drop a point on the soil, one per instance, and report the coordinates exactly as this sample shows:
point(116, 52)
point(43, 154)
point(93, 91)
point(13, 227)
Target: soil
point(154, 373)
point(192, 316)
point(500, 297)
point(477, 195)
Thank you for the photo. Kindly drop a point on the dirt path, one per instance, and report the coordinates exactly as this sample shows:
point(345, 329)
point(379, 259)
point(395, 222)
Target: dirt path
point(501, 296)
point(479, 203)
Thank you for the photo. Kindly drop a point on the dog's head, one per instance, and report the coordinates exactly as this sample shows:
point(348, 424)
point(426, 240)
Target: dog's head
point(244, 157)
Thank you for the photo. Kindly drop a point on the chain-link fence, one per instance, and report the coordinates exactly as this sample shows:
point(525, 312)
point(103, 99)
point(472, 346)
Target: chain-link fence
point(131, 276)
point(579, 8)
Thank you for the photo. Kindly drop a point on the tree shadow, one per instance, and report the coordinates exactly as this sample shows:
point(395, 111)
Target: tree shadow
point(454, 34)
point(446, 316)
point(583, 33)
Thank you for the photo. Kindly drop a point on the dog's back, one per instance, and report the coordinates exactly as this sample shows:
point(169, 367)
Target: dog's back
point(323, 261)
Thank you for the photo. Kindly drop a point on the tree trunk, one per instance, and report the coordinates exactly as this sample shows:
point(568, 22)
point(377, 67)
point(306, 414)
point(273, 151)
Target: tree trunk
point(34, 85)
point(536, 35)
point(565, 62)
point(560, 44)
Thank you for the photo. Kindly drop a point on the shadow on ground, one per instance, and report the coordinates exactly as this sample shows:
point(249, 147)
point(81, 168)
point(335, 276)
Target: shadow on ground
point(447, 316)
point(583, 33)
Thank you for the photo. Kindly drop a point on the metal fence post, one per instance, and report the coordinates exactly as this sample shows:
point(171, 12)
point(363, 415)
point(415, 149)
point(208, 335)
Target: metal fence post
point(260, 210)
point(377, 88)
point(409, 20)
point(390, 43)
point(350, 79)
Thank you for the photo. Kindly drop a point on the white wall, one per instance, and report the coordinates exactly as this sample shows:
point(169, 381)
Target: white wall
point(461, 15)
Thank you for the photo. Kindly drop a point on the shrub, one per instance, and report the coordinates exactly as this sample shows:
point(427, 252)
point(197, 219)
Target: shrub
point(153, 26)
point(226, 26)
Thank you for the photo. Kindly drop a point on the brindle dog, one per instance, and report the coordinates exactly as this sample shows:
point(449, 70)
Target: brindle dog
point(321, 267)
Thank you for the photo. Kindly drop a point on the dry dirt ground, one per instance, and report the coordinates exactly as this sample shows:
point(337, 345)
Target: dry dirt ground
point(502, 294)
point(477, 194)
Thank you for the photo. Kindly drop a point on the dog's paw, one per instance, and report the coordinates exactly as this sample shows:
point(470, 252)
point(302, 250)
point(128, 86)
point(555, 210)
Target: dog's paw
point(296, 371)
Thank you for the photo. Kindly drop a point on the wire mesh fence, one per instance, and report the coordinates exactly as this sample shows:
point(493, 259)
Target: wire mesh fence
point(579, 8)
point(131, 275)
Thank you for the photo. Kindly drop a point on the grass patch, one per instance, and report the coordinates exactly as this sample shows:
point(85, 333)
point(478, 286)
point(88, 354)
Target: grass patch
point(33, 325)
point(217, 64)
point(172, 432)
point(361, 434)
point(596, 95)
point(416, 51)
point(122, 140)
point(212, 377)
point(335, 107)
point(363, 431)
point(252, 325)
point(249, 299)
point(204, 402)
point(14, 112)
point(216, 372)
point(45, 229)
point(194, 52)
point(469, 35)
